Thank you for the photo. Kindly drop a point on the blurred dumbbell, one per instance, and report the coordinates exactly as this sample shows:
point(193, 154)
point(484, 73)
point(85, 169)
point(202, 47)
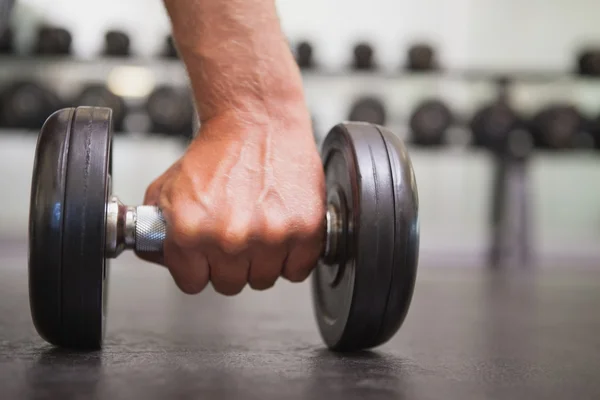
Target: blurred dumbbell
point(116, 44)
point(430, 122)
point(588, 62)
point(491, 126)
point(171, 112)
point(98, 95)
point(53, 41)
point(6, 42)
point(170, 50)
point(304, 55)
point(26, 105)
point(421, 57)
point(557, 127)
point(363, 57)
point(593, 127)
point(368, 109)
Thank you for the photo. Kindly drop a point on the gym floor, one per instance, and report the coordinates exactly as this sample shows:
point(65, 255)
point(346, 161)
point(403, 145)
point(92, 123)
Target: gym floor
point(471, 333)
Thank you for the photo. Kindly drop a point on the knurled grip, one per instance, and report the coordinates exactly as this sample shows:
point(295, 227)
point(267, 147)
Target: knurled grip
point(150, 230)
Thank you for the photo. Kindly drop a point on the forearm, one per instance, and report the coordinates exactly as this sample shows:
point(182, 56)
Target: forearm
point(236, 55)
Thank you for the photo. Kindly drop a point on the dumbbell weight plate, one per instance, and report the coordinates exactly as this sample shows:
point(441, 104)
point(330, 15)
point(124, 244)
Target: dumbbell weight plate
point(363, 57)
point(491, 125)
point(26, 105)
point(368, 109)
point(362, 301)
point(556, 126)
point(117, 44)
point(98, 95)
point(171, 112)
point(68, 272)
point(429, 123)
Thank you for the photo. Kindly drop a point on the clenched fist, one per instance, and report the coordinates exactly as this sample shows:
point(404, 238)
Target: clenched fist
point(245, 204)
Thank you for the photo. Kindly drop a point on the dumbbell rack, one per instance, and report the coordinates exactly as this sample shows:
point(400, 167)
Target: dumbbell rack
point(453, 179)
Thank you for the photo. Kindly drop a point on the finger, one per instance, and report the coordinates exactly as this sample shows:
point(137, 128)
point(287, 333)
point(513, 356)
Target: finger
point(266, 266)
point(189, 267)
point(228, 274)
point(303, 257)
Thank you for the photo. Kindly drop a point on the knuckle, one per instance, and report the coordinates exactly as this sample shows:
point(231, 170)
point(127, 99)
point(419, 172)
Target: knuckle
point(277, 231)
point(183, 233)
point(233, 241)
point(309, 225)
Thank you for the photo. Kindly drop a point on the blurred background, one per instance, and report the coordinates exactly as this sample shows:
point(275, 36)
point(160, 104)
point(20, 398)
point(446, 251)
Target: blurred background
point(498, 101)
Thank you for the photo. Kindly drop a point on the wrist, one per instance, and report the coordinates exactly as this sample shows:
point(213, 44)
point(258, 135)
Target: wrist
point(259, 118)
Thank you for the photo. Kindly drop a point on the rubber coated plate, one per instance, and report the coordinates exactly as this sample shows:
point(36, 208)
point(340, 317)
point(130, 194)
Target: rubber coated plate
point(362, 301)
point(67, 269)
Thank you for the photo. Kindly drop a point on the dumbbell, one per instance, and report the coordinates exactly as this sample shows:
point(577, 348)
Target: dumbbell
point(491, 125)
point(361, 287)
point(26, 104)
point(368, 109)
point(53, 41)
point(6, 42)
point(363, 57)
point(430, 122)
point(171, 112)
point(421, 58)
point(116, 44)
point(588, 62)
point(557, 126)
point(98, 95)
point(304, 55)
point(594, 129)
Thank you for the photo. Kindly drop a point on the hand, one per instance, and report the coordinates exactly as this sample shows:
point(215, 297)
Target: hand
point(244, 205)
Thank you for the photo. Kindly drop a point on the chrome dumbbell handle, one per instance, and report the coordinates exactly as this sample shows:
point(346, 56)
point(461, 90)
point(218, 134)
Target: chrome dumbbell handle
point(150, 229)
point(140, 228)
point(144, 229)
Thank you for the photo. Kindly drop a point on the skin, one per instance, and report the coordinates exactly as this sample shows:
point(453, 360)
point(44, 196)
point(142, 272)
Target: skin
point(245, 204)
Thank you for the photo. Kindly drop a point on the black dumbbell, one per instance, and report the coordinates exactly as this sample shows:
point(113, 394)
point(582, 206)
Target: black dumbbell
point(304, 55)
point(557, 127)
point(593, 127)
point(588, 63)
point(171, 112)
point(368, 109)
point(98, 95)
point(492, 124)
point(117, 44)
point(429, 123)
point(170, 50)
point(421, 58)
point(362, 285)
point(26, 105)
point(7, 42)
point(53, 41)
point(363, 57)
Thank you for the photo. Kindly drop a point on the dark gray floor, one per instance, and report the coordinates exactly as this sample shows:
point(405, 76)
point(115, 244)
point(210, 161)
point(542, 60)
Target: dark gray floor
point(469, 335)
